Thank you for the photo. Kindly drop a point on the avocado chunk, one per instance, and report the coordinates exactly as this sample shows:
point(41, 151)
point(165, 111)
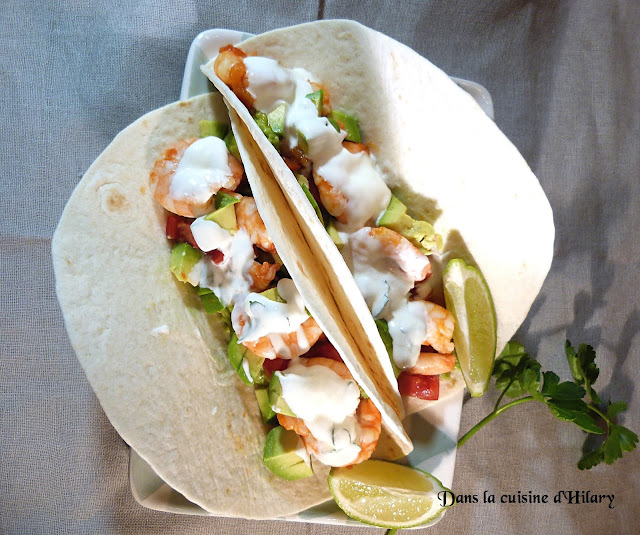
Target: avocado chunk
point(420, 233)
point(304, 184)
point(278, 404)
point(317, 97)
point(210, 301)
point(333, 234)
point(263, 122)
point(225, 217)
point(213, 128)
point(303, 143)
point(232, 145)
point(223, 199)
point(268, 415)
point(276, 117)
point(273, 295)
point(246, 363)
point(183, 259)
point(281, 455)
point(383, 329)
point(348, 123)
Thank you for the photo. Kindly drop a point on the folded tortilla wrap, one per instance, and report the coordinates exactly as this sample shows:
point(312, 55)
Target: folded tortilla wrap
point(156, 361)
point(438, 151)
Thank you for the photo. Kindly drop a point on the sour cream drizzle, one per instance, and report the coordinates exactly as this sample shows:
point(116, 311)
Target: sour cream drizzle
point(202, 171)
point(327, 404)
point(229, 280)
point(271, 318)
point(385, 283)
point(355, 175)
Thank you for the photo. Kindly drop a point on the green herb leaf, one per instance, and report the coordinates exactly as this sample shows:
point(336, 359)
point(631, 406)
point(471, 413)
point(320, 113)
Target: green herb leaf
point(613, 409)
point(620, 439)
point(583, 367)
point(590, 459)
point(516, 372)
point(553, 388)
point(575, 411)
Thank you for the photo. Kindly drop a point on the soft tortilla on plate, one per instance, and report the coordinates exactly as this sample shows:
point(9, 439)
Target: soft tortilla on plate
point(440, 154)
point(155, 360)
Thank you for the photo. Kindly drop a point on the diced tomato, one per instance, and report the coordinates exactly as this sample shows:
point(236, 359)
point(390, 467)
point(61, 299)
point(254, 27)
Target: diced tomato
point(323, 349)
point(179, 229)
point(419, 386)
point(274, 365)
point(216, 255)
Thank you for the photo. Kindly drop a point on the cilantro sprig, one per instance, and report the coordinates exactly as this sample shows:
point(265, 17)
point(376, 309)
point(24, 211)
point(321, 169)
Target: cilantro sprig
point(518, 375)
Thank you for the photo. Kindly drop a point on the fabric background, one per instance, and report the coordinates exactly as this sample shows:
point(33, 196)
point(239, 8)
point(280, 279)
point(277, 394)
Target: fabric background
point(564, 79)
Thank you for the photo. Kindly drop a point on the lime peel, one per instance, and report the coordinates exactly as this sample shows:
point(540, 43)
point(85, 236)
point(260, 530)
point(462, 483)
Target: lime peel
point(386, 494)
point(468, 298)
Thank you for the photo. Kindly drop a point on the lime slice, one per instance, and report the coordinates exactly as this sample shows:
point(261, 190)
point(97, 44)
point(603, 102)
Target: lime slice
point(468, 298)
point(388, 495)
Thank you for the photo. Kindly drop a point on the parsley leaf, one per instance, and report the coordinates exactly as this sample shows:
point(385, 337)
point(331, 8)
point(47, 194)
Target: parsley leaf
point(517, 374)
point(583, 367)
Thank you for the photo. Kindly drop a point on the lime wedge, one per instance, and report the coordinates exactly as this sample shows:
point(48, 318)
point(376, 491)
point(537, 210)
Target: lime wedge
point(388, 495)
point(468, 298)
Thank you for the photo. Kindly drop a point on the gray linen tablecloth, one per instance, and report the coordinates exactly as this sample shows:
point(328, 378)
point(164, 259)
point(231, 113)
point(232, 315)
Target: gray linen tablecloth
point(564, 77)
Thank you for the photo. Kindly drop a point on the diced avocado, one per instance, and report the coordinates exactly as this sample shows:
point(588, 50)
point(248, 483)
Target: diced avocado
point(210, 301)
point(383, 329)
point(281, 455)
point(317, 97)
point(183, 259)
point(420, 233)
point(245, 362)
point(223, 199)
point(302, 142)
point(225, 314)
point(225, 217)
point(304, 184)
point(273, 295)
point(268, 415)
point(348, 123)
point(213, 128)
point(334, 124)
point(278, 404)
point(333, 234)
point(275, 119)
point(232, 145)
point(262, 121)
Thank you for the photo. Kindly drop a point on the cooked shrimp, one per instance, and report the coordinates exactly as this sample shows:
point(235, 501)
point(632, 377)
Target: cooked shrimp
point(192, 202)
point(432, 364)
point(408, 257)
point(367, 415)
point(282, 345)
point(249, 219)
point(440, 324)
point(262, 275)
point(229, 67)
point(334, 201)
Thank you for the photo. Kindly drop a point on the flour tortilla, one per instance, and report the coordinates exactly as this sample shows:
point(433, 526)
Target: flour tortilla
point(155, 360)
point(439, 153)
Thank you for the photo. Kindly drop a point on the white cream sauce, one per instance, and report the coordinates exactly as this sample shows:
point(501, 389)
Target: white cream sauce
point(202, 171)
point(355, 175)
point(265, 317)
point(229, 280)
point(327, 404)
point(385, 282)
